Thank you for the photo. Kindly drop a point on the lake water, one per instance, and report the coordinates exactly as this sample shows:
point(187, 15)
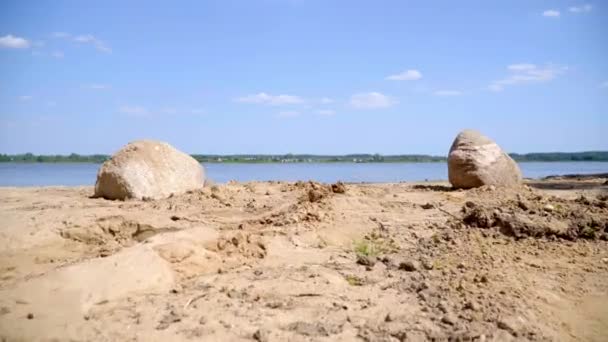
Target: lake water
point(43, 174)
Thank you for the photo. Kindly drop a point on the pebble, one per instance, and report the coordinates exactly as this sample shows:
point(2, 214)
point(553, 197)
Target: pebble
point(260, 335)
point(548, 208)
point(30, 316)
point(366, 260)
point(443, 306)
point(427, 264)
point(427, 206)
point(408, 266)
point(448, 319)
point(471, 305)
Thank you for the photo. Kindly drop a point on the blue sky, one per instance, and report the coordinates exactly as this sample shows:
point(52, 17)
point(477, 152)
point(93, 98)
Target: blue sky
point(302, 76)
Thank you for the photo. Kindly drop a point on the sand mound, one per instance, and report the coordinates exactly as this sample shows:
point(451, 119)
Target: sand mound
point(74, 290)
point(533, 215)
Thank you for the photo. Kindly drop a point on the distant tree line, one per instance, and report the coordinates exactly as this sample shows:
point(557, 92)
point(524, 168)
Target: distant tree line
point(562, 156)
point(72, 158)
point(309, 158)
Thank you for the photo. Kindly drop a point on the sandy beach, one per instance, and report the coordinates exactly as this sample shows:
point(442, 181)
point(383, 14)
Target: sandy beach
point(276, 261)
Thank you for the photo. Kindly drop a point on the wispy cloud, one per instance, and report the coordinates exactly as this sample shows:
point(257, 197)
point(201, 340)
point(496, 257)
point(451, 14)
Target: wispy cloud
point(408, 75)
point(90, 39)
point(97, 86)
point(371, 100)
point(581, 9)
point(527, 73)
point(326, 100)
point(288, 114)
point(551, 13)
point(273, 100)
point(25, 97)
point(448, 93)
point(326, 112)
point(84, 39)
point(11, 42)
point(137, 111)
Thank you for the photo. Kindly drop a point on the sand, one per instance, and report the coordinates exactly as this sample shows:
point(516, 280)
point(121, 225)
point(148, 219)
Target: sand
point(276, 261)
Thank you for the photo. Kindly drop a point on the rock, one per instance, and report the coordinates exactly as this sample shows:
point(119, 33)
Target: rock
point(427, 206)
point(408, 266)
point(260, 335)
point(548, 208)
point(449, 319)
point(511, 324)
point(338, 188)
point(30, 316)
point(366, 260)
point(427, 264)
point(475, 160)
point(471, 305)
point(148, 169)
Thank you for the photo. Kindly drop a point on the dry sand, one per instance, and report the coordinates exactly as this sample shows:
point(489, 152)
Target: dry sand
point(276, 261)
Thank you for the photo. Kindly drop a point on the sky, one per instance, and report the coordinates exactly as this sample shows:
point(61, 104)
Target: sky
point(302, 76)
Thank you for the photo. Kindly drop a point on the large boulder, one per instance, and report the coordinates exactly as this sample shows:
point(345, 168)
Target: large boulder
point(476, 160)
point(148, 169)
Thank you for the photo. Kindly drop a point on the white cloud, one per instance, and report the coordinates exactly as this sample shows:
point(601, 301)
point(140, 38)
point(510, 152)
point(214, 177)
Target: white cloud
point(97, 86)
point(448, 93)
point(90, 39)
point(57, 54)
point(408, 75)
point(84, 39)
point(527, 73)
point(12, 42)
point(551, 13)
point(521, 67)
point(25, 97)
point(372, 100)
point(288, 114)
point(133, 110)
point(273, 100)
point(581, 9)
point(326, 112)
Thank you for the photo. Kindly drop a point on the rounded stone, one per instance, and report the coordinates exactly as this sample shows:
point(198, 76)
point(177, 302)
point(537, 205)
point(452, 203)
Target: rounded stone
point(148, 169)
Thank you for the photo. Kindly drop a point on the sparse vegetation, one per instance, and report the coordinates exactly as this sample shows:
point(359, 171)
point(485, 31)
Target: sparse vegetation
point(374, 245)
point(353, 280)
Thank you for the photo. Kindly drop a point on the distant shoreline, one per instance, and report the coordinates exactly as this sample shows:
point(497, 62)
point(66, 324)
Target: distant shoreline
point(590, 156)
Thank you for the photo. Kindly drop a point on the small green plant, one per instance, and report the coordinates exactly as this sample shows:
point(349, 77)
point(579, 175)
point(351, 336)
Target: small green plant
point(374, 245)
point(366, 248)
point(354, 280)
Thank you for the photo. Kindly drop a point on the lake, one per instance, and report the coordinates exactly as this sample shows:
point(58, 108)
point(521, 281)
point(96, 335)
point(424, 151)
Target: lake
point(70, 174)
